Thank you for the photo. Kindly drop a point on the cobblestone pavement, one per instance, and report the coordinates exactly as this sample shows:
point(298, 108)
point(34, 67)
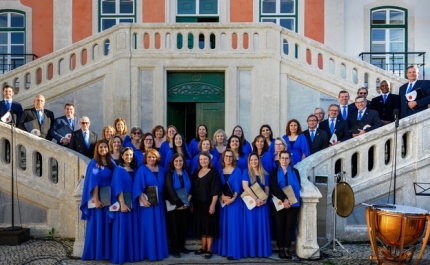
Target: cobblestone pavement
point(45, 252)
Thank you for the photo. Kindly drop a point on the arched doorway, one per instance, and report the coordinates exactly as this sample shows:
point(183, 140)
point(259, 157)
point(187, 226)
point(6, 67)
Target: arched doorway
point(195, 98)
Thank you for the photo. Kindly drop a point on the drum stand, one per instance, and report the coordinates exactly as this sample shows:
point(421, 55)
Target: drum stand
point(334, 240)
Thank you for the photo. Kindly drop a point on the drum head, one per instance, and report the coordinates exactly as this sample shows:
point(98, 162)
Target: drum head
point(345, 199)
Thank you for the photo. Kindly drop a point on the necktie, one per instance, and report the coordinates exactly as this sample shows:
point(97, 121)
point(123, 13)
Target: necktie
point(40, 114)
point(360, 114)
point(385, 98)
point(312, 135)
point(409, 88)
point(71, 124)
point(7, 105)
point(344, 113)
point(332, 126)
point(87, 140)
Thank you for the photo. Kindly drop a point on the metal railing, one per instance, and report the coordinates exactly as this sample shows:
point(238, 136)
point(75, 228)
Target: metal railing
point(10, 61)
point(395, 62)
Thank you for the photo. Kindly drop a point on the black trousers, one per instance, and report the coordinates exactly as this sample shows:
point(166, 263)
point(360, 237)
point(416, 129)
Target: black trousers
point(177, 226)
point(285, 223)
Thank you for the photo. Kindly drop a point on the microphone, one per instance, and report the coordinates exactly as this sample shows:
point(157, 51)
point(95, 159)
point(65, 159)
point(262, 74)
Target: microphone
point(396, 117)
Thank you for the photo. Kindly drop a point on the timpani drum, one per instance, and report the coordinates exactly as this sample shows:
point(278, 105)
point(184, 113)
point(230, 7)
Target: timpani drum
point(397, 229)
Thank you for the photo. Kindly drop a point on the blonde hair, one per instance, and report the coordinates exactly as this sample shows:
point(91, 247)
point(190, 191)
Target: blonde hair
point(260, 170)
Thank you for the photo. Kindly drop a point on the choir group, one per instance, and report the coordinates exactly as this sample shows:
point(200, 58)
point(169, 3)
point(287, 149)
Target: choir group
point(144, 194)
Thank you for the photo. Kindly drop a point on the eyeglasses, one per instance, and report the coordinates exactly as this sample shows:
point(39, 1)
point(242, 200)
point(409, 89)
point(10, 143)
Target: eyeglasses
point(228, 156)
point(362, 93)
point(84, 122)
point(136, 133)
point(318, 113)
point(279, 144)
point(149, 139)
point(333, 110)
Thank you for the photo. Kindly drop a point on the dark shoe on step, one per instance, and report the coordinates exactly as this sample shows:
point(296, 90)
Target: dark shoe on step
point(176, 255)
point(185, 250)
point(200, 252)
point(208, 255)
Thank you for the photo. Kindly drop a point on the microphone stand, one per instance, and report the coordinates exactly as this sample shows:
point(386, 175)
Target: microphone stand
point(12, 163)
point(395, 158)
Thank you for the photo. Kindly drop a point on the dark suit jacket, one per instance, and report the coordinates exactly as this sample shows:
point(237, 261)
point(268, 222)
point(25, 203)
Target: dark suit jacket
point(15, 107)
point(341, 129)
point(320, 140)
point(386, 110)
point(77, 143)
point(59, 123)
point(351, 109)
point(370, 117)
point(422, 103)
point(31, 114)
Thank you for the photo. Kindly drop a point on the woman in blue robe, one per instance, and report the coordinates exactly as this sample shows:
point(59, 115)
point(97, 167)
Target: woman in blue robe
point(167, 145)
point(297, 143)
point(202, 133)
point(179, 146)
point(98, 230)
point(266, 132)
point(136, 137)
point(235, 145)
point(177, 180)
point(124, 236)
point(256, 227)
point(246, 146)
point(285, 220)
point(206, 145)
point(151, 218)
point(230, 244)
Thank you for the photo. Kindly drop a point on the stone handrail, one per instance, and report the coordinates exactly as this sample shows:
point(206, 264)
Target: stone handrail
point(413, 163)
point(305, 57)
point(51, 191)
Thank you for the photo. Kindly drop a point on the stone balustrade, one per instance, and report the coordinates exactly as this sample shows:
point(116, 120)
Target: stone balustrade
point(301, 56)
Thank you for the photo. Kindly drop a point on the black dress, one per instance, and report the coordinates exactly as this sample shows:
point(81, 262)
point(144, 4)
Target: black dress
point(203, 189)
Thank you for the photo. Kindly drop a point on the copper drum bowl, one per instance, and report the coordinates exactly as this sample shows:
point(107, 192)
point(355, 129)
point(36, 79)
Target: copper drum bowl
point(389, 226)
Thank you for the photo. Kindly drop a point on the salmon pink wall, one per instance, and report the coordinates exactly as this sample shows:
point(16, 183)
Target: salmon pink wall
point(42, 23)
point(314, 19)
point(81, 20)
point(153, 11)
point(241, 10)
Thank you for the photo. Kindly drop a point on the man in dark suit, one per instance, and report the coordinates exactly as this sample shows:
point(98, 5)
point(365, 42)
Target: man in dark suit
point(83, 140)
point(386, 103)
point(345, 109)
point(364, 119)
point(65, 125)
point(37, 118)
point(407, 107)
point(8, 104)
point(317, 138)
point(339, 127)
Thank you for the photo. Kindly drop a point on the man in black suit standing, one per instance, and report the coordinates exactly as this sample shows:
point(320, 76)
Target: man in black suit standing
point(345, 109)
point(335, 125)
point(364, 119)
point(83, 140)
point(386, 103)
point(317, 138)
point(8, 104)
point(38, 119)
point(65, 125)
point(409, 107)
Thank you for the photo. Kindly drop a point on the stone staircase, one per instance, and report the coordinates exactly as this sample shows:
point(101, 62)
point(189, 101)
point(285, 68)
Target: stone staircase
point(118, 68)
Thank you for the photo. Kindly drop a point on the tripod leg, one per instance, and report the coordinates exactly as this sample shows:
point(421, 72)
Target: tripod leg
point(337, 241)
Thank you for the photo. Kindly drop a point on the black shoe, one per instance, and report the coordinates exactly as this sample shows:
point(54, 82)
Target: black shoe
point(230, 258)
point(185, 250)
point(176, 255)
point(281, 254)
point(208, 255)
point(200, 252)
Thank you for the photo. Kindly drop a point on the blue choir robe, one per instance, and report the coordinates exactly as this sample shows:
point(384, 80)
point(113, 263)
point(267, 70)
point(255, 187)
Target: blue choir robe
point(256, 226)
point(151, 220)
point(124, 225)
point(230, 242)
point(98, 228)
point(300, 147)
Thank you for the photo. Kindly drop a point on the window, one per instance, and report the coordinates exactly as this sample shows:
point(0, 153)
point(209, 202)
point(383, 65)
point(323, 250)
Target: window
point(197, 7)
point(280, 12)
point(388, 36)
point(12, 40)
point(113, 12)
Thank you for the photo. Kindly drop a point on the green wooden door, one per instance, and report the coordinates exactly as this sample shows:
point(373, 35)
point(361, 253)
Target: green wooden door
point(195, 98)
